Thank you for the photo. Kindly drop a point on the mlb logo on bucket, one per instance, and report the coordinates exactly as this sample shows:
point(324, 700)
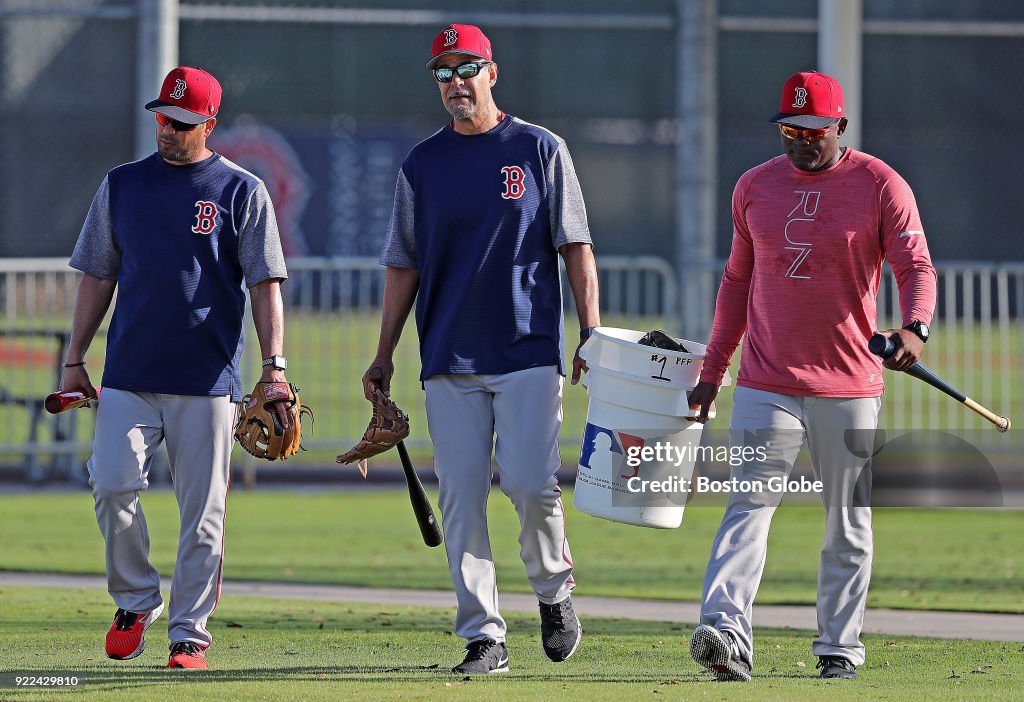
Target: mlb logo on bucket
point(600, 440)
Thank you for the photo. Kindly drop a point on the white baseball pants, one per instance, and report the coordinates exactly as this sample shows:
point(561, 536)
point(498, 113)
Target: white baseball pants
point(464, 414)
point(838, 433)
point(198, 432)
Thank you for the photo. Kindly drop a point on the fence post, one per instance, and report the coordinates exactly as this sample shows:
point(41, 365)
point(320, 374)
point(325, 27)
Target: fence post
point(157, 53)
point(696, 168)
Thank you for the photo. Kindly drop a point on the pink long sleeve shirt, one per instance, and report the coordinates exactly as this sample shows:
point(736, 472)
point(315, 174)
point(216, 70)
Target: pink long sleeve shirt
point(803, 275)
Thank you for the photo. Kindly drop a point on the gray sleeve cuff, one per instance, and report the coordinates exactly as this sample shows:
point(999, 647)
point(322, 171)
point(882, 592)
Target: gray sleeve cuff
point(399, 249)
point(96, 252)
point(259, 241)
point(568, 212)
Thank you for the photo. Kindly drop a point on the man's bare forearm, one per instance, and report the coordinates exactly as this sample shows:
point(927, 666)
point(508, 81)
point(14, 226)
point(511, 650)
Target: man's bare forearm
point(91, 304)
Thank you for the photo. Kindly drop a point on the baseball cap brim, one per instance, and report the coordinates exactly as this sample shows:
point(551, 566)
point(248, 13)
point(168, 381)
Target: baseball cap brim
point(178, 113)
point(432, 63)
point(804, 121)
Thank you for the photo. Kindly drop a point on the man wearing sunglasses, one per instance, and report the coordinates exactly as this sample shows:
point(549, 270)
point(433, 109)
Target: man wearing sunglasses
point(810, 231)
point(176, 234)
point(482, 210)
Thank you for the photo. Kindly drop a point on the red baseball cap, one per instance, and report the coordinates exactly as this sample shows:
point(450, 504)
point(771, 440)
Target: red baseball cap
point(189, 95)
point(459, 39)
point(810, 100)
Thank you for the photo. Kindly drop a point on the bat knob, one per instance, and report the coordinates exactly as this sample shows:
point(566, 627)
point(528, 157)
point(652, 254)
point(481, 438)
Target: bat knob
point(881, 346)
point(1004, 426)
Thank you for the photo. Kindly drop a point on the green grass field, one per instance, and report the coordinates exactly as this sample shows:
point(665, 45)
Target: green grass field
point(267, 649)
point(924, 558)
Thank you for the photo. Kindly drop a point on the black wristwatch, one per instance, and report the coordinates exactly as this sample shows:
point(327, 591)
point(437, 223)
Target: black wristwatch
point(586, 333)
point(919, 328)
point(278, 362)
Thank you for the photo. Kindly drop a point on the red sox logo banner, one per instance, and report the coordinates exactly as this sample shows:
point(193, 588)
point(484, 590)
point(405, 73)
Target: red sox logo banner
point(179, 89)
point(206, 217)
point(514, 182)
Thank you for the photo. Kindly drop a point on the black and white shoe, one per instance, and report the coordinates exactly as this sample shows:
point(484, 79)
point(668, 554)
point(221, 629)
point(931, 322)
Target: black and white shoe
point(483, 656)
point(560, 630)
point(836, 667)
point(717, 651)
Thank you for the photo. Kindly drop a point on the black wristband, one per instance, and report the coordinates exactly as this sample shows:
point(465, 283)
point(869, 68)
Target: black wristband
point(586, 333)
point(74, 365)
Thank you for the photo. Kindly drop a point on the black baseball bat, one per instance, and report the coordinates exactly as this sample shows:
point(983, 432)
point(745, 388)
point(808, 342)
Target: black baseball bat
point(420, 503)
point(884, 347)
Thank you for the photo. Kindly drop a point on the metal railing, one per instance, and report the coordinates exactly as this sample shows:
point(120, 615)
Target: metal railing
point(332, 321)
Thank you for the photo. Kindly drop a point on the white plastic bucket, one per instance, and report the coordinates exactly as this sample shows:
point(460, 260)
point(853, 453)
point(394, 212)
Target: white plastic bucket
point(638, 398)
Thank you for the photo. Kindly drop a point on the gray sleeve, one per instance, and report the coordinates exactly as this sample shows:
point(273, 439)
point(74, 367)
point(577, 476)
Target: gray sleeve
point(400, 243)
point(96, 252)
point(568, 213)
point(259, 242)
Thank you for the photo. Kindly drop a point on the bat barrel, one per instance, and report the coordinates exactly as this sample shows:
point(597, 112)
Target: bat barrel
point(57, 402)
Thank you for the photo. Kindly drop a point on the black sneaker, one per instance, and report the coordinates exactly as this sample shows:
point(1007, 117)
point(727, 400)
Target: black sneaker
point(717, 651)
point(482, 657)
point(836, 667)
point(560, 630)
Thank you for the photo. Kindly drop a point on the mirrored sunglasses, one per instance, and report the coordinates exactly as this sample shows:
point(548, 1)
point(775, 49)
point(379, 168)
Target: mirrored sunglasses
point(444, 74)
point(795, 133)
point(163, 120)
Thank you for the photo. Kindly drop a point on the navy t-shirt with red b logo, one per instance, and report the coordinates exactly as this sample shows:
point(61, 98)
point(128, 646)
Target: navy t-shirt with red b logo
point(482, 217)
point(179, 241)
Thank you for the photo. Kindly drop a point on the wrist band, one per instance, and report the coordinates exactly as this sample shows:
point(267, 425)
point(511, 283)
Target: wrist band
point(74, 365)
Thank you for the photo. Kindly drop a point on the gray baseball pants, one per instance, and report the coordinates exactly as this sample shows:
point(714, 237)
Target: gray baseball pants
point(524, 410)
point(198, 433)
point(837, 432)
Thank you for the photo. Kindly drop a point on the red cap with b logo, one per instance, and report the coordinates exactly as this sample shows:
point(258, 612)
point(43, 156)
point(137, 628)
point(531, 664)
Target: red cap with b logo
point(810, 100)
point(459, 39)
point(189, 95)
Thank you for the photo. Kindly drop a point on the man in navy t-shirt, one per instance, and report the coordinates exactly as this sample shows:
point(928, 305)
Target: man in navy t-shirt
point(176, 234)
point(482, 210)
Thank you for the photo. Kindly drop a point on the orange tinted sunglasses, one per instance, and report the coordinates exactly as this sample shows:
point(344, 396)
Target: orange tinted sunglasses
point(163, 120)
point(795, 133)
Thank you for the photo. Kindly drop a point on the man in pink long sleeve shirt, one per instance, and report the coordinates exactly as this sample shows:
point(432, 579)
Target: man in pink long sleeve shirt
point(810, 231)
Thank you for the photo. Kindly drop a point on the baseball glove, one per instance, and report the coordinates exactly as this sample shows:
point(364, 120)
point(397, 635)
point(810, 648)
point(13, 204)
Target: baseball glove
point(388, 425)
point(259, 431)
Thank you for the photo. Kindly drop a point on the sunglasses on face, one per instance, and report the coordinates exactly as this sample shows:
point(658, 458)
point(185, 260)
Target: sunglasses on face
point(795, 133)
point(444, 74)
point(163, 120)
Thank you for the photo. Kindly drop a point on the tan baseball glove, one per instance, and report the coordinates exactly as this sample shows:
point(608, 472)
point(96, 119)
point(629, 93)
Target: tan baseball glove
point(259, 430)
point(388, 425)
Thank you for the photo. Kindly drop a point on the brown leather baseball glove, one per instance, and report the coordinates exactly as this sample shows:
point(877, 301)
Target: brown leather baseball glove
point(388, 425)
point(259, 430)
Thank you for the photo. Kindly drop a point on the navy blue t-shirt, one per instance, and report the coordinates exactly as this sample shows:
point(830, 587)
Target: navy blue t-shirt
point(482, 217)
point(179, 240)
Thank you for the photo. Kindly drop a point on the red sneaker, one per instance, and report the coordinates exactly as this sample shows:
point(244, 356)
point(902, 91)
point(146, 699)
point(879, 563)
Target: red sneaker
point(187, 654)
point(127, 636)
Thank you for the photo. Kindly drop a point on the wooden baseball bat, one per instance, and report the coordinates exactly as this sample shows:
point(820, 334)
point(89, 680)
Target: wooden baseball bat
point(883, 347)
point(420, 503)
